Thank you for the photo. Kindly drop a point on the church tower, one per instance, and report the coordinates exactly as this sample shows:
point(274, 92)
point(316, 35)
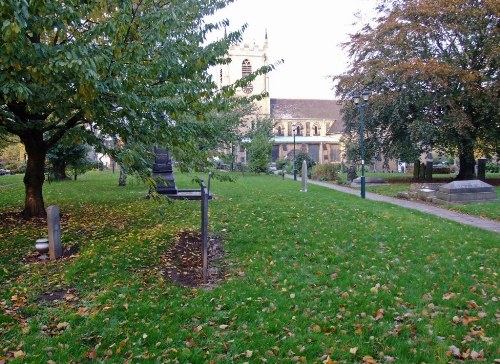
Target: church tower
point(245, 59)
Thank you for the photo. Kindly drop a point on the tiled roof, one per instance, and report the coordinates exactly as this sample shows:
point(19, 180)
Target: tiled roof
point(309, 109)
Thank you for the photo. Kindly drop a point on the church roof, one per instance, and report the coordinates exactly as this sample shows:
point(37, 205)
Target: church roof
point(309, 109)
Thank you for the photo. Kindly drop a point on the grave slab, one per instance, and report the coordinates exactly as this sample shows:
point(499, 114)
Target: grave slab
point(462, 192)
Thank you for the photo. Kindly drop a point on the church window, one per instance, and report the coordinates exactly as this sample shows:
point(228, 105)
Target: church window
point(246, 69)
point(315, 130)
point(279, 131)
point(298, 130)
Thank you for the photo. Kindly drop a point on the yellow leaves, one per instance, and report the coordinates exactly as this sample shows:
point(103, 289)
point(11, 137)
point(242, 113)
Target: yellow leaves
point(449, 296)
point(19, 354)
point(379, 314)
point(472, 304)
point(316, 328)
point(369, 360)
point(62, 325)
point(329, 360)
point(467, 354)
point(468, 319)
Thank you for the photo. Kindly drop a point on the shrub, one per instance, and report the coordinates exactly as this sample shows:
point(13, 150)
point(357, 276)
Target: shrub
point(282, 164)
point(325, 172)
point(492, 167)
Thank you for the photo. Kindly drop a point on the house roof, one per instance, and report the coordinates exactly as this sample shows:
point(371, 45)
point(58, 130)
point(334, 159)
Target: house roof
point(290, 109)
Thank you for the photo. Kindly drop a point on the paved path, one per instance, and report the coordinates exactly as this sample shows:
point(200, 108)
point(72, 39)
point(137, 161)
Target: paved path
point(426, 208)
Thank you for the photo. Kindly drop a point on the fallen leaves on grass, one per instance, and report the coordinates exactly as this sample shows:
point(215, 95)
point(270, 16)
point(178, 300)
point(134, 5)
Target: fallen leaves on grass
point(183, 261)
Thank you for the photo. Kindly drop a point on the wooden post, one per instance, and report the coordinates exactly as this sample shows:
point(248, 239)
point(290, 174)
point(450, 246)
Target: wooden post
point(204, 229)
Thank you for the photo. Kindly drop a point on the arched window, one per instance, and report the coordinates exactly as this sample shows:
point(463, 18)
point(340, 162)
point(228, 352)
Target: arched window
point(315, 130)
point(246, 69)
point(279, 130)
point(298, 130)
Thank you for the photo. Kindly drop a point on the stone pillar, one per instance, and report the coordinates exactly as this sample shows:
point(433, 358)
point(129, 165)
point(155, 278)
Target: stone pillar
point(53, 223)
point(416, 169)
point(428, 170)
point(304, 176)
point(481, 169)
point(421, 172)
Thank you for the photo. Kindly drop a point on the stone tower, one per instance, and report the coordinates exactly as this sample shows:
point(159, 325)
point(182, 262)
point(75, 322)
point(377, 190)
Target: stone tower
point(246, 58)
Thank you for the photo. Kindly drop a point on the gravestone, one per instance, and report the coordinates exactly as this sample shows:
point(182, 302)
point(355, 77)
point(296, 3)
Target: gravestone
point(429, 165)
point(54, 226)
point(481, 169)
point(304, 176)
point(424, 191)
point(372, 181)
point(462, 192)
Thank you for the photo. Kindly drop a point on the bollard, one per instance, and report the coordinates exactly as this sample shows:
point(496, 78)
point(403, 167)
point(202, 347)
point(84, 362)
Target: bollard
point(304, 176)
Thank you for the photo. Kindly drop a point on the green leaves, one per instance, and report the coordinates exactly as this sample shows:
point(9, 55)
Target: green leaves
point(433, 69)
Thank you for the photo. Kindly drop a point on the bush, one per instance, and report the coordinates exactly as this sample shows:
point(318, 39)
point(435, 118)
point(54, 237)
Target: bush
point(16, 167)
point(301, 156)
point(282, 164)
point(325, 172)
point(341, 178)
point(492, 167)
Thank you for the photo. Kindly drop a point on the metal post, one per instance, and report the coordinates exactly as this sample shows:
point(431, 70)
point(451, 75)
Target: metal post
point(294, 159)
point(209, 178)
point(361, 137)
point(204, 229)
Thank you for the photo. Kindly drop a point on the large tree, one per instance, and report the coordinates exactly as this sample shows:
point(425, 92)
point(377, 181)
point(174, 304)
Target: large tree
point(131, 69)
point(433, 69)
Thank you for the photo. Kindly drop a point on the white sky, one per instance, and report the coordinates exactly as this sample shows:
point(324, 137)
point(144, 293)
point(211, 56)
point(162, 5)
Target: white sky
point(306, 34)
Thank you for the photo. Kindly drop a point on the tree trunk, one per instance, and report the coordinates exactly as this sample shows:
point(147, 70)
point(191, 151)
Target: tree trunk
point(35, 175)
point(59, 171)
point(467, 161)
point(122, 181)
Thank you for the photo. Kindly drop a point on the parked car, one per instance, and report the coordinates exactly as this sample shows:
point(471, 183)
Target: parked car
point(4, 171)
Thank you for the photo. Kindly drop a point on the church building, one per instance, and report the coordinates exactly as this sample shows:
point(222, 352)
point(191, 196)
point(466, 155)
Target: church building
point(314, 126)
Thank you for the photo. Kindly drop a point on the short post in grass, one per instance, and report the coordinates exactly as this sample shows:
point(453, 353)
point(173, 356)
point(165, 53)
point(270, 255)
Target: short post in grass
point(304, 176)
point(53, 224)
point(204, 229)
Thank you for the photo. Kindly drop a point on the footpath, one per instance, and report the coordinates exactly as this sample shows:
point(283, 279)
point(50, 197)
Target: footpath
point(426, 208)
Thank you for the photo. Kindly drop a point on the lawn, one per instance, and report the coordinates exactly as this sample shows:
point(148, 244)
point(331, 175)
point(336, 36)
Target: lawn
point(316, 277)
point(489, 210)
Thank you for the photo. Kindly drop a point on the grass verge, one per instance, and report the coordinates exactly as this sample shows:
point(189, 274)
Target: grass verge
point(311, 277)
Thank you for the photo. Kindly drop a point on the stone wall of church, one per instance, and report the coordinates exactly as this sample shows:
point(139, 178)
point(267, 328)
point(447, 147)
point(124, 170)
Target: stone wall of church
point(247, 58)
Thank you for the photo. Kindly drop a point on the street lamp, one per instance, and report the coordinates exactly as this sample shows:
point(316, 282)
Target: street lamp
point(361, 106)
point(294, 130)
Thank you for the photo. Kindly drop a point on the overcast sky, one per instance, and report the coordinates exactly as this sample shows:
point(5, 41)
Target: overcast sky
point(306, 34)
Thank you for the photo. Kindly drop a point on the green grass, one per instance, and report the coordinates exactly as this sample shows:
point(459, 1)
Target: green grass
point(308, 275)
point(489, 210)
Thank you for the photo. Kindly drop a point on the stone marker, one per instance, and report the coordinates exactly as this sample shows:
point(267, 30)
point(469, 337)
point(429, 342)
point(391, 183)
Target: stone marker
point(304, 176)
point(368, 180)
point(53, 223)
point(461, 192)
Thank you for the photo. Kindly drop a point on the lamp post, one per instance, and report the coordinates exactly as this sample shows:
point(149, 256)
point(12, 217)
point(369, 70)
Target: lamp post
point(361, 106)
point(294, 130)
